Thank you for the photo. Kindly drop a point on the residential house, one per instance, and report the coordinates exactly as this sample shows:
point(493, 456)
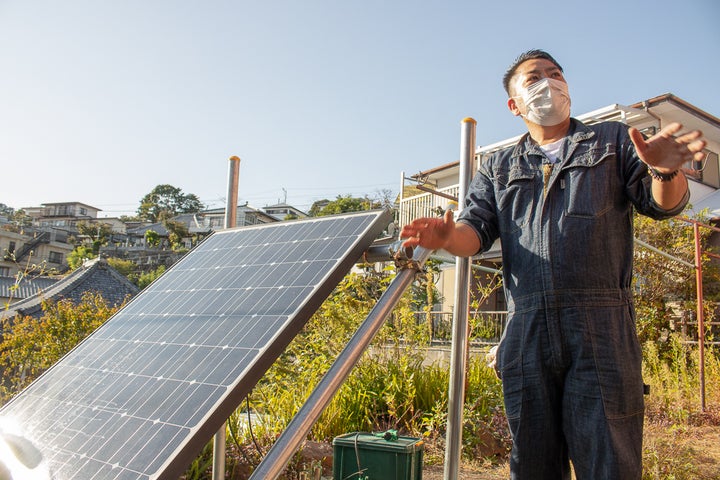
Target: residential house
point(65, 214)
point(116, 225)
point(47, 241)
point(283, 211)
point(245, 215)
point(32, 248)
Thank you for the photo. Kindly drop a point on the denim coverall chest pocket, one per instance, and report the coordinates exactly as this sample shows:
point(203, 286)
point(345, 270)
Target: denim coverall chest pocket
point(588, 183)
point(515, 197)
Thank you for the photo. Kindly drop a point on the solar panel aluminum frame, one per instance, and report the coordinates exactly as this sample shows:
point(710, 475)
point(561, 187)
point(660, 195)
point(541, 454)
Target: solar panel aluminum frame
point(213, 417)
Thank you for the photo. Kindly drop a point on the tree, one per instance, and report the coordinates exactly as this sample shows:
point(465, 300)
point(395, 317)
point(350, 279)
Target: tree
point(29, 345)
point(152, 238)
point(661, 286)
point(386, 198)
point(147, 278)
point(166, 201)
point(99, 233)
point(317, 206)
point(6, 211)
point(18, 218)
point(346, 204)
point(81, 253)
point(127, 268)
point(383, 198)
point(176, 232)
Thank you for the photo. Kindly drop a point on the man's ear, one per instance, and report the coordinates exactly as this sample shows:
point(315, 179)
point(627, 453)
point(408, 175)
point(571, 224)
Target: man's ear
point(513, 107)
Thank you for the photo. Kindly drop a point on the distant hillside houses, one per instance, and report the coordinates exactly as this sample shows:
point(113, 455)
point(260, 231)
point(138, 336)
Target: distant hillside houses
point(40, 244)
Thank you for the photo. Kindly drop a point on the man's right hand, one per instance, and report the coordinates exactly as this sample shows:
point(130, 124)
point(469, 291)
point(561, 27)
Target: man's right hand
point(428, 232)
point(458, 239)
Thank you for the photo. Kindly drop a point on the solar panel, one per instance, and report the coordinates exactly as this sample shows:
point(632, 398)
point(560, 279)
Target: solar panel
point(140, 397)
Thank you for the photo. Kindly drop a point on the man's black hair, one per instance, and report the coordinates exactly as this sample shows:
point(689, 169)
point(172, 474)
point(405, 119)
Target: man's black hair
point(529, 55)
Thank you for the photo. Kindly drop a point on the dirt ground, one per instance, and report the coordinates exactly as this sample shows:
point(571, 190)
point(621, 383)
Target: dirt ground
point(436, 472)
point(671, 451)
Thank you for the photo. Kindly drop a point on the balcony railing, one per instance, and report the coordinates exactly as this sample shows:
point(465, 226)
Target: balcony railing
point(425, 204)
point(688, 327)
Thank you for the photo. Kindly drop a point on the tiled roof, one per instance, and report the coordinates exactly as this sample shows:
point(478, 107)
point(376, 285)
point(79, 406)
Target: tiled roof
point(26, 288)
point(95, 275)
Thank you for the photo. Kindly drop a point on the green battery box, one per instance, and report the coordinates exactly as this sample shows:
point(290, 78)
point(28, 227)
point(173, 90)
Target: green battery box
point(371, 456)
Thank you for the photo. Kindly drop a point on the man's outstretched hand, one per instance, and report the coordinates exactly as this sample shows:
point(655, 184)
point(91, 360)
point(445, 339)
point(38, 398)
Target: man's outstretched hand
point(430, 233)
point(666, 152)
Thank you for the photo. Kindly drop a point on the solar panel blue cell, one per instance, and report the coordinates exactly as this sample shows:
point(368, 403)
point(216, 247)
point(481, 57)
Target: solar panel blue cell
point(141, 396)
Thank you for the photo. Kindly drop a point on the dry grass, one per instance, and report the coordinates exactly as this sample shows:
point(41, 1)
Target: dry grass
point(690, 451)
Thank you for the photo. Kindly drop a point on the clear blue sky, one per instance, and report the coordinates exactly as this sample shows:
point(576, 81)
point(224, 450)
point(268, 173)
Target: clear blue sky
point(100, 101)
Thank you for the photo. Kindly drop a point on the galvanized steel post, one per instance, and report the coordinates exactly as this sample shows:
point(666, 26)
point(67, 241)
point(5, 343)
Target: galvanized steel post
point(459, 352)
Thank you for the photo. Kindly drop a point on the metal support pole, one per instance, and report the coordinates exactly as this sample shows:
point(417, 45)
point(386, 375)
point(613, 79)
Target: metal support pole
point(700, 313)
point(459, 351)
point(290, 440)
point(219, 445)
point(479, 268)
point(660, 252)
point(387, 253)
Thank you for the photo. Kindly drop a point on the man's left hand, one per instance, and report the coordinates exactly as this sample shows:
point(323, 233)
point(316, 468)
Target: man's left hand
point(666, 152)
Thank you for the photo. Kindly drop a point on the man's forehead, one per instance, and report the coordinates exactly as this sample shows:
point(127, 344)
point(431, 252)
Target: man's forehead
point(535, 65)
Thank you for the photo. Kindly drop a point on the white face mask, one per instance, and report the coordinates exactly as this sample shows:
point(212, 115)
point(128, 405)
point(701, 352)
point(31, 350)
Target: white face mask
point(547, 102)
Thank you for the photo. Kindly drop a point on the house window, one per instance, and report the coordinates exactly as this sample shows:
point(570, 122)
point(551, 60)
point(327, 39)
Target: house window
point(11, 247)
point(55, 257)
point(706, 171)
point(4, 271)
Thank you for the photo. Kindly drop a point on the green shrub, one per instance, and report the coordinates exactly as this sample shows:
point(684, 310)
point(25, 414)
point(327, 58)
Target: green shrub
point(29, 346)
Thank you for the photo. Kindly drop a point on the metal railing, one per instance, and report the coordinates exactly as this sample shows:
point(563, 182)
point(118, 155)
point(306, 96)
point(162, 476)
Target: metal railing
point(425, 205)
point(486, 327)
point(688, 328)
point(43, 237)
